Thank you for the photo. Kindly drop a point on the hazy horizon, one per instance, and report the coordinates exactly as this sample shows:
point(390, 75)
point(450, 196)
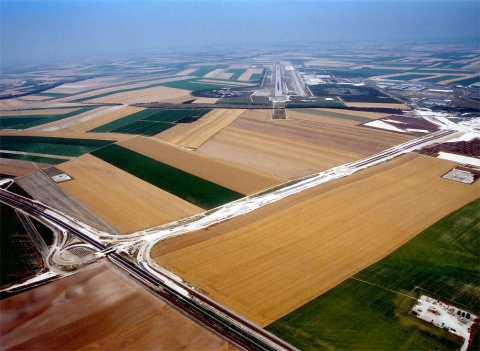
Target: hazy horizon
point(38, 31)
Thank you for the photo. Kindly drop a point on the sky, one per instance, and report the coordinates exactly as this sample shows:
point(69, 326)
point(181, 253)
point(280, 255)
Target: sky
point(46, 30)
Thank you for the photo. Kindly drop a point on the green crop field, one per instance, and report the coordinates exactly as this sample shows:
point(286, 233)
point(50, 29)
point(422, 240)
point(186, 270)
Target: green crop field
point(51, 146)
point(191, 188)
point(191, 84)
point(369, 311)
point(150, 121)
point(467, 81)
point(376, 71)
point(237, 72)
point(12, 121)
point(50, 118)
point(31, 158)
point(334, 115)
point(143, 128)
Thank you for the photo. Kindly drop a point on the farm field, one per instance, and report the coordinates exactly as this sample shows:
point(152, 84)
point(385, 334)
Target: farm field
point(51, 145)
point(40, 187)
point(193, 135)
point(104, 306)
point(305, 245)
point(151, 121)
point(377, 105)
point(189, 187)
point(239, 179)
point(361, 314)
point(301, 145)
point(126, 202)
point(155, 94)
point(18, 168)
point(65, 135)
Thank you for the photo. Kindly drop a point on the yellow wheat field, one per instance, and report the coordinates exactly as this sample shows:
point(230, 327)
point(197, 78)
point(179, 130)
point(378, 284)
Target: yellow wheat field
point(268, 263)
point(126, 202)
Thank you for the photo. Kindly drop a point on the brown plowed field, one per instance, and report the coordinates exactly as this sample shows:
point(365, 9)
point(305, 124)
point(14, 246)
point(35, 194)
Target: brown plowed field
point(103, 119)
point(230, 176)
point(270, 262)
point(376, 105)
point(98, 309)
point(19, 168)
point(193, 135)
point(128, 203)
point(156, 94)
point(73, 135)
point(301, 145)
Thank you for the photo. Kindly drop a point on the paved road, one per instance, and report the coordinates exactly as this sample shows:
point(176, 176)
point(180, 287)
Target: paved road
point(278, 81)
point(203, 310)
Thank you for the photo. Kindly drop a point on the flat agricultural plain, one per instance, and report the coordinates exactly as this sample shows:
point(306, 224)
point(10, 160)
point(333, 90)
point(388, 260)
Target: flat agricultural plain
point(377, 105)
point(155, 94)
point(237, 178)
point(193, 135)
point(302, 144)
point(18, 168)
point(98, 309)
point(270, 262)
point(123, 200)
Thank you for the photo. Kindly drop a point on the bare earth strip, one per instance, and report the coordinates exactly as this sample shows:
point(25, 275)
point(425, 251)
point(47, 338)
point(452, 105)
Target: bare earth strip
point(156, 94)
point(268, 263)
point(73, 135)
point(301, 145)
point(376, 105)
point(42, 188)
point(98, 309)
point(230, 176)
point(193, 135)
point(128, 203)
point(19, 168)
point(106, 117)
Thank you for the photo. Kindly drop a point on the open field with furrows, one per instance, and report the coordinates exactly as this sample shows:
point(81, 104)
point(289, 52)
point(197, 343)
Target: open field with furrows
point(155, 94)
point(108, 310)
point(248, 73)
point(302, 144)
point(193, 135)
point(239, 179)
point(19, 168)
point(270, 262)
point(123, 200)
point(66, 135)
point(376, 105)
point(361, 313)
point(107, 116)
point(43, 189)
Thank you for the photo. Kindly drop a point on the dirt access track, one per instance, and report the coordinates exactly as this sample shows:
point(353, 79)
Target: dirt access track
point(268, 263)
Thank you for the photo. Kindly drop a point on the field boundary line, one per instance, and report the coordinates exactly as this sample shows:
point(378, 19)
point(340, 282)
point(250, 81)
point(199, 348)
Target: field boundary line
point(380, 287)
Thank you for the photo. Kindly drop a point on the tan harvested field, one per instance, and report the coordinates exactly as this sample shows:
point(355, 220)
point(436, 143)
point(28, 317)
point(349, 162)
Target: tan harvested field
point(237, 66)
point(62, 134)
point(42, 188)
point(268, 263)
point(20, 168)
point(45, 111)
point(219, 73)
point(193, 135)
point(98, 309)
point(34, 98)
point(94, 83)
point(248, 73)
point(156, 94)
point(373, 115)
point(204, 100)
point(126, 202)
point(17, 104)
point(187, 72)
point(239, 179)
point(328, 63)
point(373, 104)
point(301, 145)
